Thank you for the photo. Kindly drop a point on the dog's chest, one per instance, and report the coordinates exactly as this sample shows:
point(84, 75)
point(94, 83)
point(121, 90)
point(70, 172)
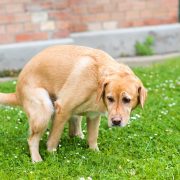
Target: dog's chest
point(90, 108)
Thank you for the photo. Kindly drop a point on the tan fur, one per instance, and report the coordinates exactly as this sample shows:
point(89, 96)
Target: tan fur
point(9, 99)
point(73, 80)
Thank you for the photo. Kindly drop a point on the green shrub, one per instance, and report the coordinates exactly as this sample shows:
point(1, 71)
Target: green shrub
point(10, 73)
point(145, 48)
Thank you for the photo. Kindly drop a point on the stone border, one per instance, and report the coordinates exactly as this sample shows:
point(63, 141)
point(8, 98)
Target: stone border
point(4, 79)
point(146, 60)
point(130, 61)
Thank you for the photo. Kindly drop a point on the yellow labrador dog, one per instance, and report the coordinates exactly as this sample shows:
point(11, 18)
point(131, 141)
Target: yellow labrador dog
point(69, 81)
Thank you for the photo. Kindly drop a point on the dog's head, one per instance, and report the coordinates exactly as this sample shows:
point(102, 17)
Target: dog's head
point(121, 92)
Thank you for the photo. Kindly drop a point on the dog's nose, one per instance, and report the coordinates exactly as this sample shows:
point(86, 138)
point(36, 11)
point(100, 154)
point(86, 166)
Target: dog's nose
point(116, 121)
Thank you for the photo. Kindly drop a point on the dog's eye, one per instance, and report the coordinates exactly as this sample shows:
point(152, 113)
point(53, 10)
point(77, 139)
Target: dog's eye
point(126, 100)
point(110, 99)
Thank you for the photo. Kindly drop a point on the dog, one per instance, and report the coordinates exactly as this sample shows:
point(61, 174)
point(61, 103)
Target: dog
point(67, 82)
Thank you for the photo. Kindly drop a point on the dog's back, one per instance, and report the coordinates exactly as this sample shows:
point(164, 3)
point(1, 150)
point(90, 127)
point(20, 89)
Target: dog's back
point(55, 64)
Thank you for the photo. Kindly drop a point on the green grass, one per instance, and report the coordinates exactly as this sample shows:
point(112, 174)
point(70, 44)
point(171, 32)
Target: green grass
point(148, 148)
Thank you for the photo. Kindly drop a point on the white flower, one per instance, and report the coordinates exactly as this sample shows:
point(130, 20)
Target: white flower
point(137, 115)
point(133, 118)
point(81, 178)
point(89, 178)
point(132, 172)
point(172, 104)
point(164, 112)
point(14, 82)
point(169, 130)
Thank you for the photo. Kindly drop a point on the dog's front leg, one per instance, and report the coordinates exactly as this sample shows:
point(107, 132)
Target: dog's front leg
point(93, 128)
point(56, 131)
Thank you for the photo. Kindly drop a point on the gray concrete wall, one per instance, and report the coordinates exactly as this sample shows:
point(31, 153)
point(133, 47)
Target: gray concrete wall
point(122, 42)
point(15, 56)
point(116, 43)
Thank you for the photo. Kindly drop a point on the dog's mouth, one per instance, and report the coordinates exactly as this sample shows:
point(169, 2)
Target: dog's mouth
point(120, 125)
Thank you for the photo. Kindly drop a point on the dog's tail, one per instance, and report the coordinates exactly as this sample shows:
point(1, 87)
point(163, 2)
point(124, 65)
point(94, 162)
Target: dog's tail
point(9, 99)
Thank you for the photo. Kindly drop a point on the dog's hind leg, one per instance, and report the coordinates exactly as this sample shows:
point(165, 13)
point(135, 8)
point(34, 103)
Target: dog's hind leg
point(39, 109)
point(57, 129)
point(75, 127)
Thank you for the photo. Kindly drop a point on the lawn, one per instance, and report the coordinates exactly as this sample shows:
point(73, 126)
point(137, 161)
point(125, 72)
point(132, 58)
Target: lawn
point(148, 148)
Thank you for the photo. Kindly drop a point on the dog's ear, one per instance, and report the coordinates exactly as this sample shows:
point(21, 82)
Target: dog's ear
point(104, 79)
point(142, 95)
point(101, 89)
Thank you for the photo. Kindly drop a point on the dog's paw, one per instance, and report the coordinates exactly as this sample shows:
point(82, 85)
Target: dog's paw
point(94, 147)
point(51, 149)
point(52, 146)
point(80, 135)
point(36, 159)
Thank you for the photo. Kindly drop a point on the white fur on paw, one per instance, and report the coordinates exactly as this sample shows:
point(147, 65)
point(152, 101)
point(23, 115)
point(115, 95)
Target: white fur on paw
point(81, 136)
point(52, 149)
point(94, 148)
point(36, 160)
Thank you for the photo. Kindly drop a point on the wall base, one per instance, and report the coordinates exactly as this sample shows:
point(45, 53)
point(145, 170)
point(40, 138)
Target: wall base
point(117, 43)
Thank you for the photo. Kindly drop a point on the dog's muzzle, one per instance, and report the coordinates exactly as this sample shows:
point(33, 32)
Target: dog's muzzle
point(116, 121)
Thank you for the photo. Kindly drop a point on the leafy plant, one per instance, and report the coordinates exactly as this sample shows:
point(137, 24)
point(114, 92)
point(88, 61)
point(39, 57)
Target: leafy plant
point(10, 73)
point(145, 48)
